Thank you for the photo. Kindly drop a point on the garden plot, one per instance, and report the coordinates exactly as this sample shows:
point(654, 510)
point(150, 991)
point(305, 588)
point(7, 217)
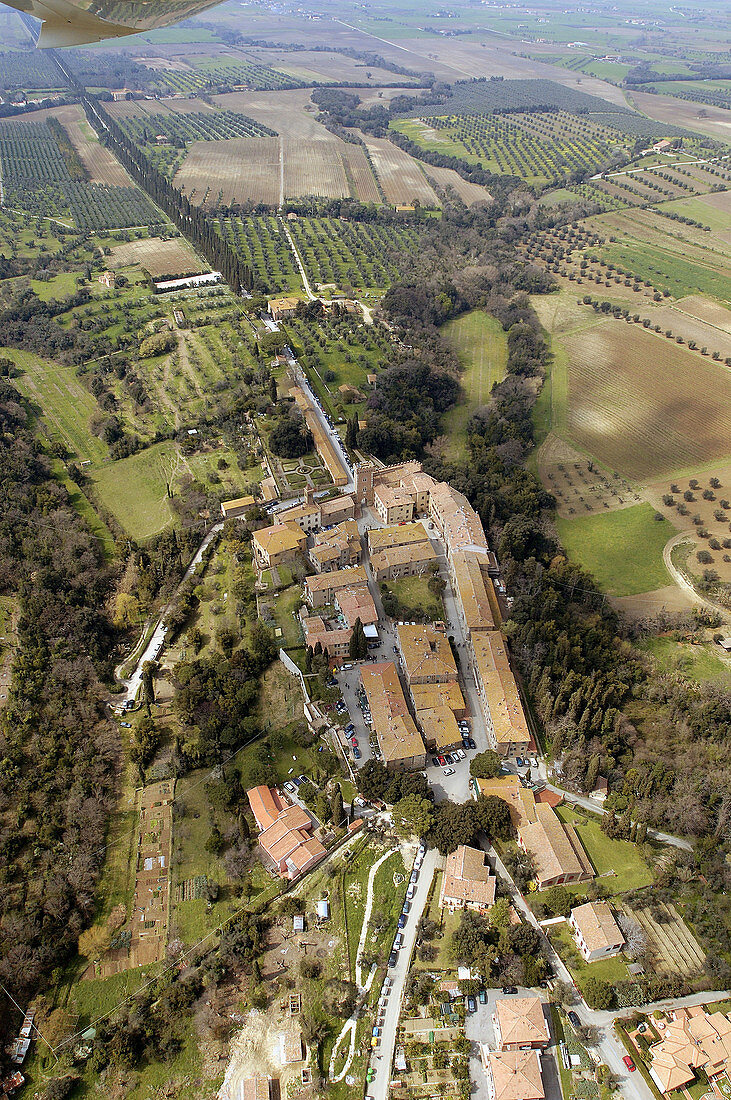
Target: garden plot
point(676, 950)
point(160, 258)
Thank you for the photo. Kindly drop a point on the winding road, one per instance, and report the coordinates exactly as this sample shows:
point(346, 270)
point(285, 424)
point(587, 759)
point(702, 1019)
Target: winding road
point(682, 581)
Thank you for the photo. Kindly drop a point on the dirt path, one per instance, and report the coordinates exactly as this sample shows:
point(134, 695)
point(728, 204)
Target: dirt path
point(682, 581)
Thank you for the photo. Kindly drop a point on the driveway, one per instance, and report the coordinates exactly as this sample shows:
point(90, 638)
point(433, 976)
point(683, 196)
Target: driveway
point(479, 1029)
point(382, 1058)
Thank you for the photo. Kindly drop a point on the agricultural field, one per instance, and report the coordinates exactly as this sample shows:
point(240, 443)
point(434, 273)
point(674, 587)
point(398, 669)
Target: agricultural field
point(629, 401)
point(449, 182)
point(702, 664)
point(669, 111)
point(44, 176)
point(700, 506)
point(402, 178)
point(193, 73)
point(578, 485)
point(262, 244)
point(99, 162)
point(622, 549)
point(674, 947)
point(481, 346)
point(134, 489)
point(230, 173)
point(541, 148)
point(28, 69)
point(183, 129)
point(355, 254)
point(161, 258)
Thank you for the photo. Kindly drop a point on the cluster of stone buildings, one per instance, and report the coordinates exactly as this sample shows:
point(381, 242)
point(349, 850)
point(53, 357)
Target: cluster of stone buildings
point(513, 1069)
point(402, 495)
point(558, 854)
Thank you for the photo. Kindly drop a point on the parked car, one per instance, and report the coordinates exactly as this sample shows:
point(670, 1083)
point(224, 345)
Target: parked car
point(449, 759)
point(483, 996)
point(434, 759)
point(356, 753)
point(534, 762)
point(398, 941)
point(459, 754)
point(471, 1006)
point(509, 989)
point(402, 921)
point(449, 771)
point(520, 761)
point(629, 1063)
point(411, 891)
point(354, 742)
point(471, 743)
point(442, 760)
point(574, 1019)
point(392, 959)
point(349, 728)
point(290, 787)
point(407, 906)
point(414, 877)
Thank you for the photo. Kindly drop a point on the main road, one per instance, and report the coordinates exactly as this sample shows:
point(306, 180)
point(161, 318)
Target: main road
point(382, 1058)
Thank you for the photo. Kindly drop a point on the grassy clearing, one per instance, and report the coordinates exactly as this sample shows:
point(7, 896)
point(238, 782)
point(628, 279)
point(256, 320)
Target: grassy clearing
point(65, 405)
point(481, 347)
point(134, 489)
point(610, 970)
point(622, 549)
point(414, 596)
point(696, 662)
point(607, 855)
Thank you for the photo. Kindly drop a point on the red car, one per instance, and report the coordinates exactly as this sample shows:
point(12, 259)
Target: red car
point(629, 1063)
point(442, 760)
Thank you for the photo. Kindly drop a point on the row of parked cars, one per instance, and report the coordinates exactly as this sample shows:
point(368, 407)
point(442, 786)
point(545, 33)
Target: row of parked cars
point(410, 891)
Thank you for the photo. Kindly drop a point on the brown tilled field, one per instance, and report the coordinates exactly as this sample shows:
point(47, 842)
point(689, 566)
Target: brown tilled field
point(578, 484)
point(100, 162)
point(160, 258)
point(644, 406)
point(232, 171)
point(469, 193)
point(706, 310)
point(314, 168)
point(677, 320)
point(401, 177)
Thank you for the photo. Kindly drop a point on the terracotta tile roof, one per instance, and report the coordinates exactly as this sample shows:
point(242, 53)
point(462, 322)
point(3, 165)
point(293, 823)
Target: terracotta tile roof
point(396, 534)
point(356, 602)
point(396, 730)
point(280, 538)
point(521, 800)
point(430, 696)
point(473, 583)
point(595, 921)
point(439, 726)
point(427, 654)
point(467, 879)
point(266, 805)
point(392, 557)
point(325, 583)
point(521, 1021)
point(555, 847)
point(254, 1088)
point(692, 1041)
point(516, 1074)
point(499, 687)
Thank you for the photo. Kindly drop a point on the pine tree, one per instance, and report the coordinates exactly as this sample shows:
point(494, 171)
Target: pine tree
point(336, 805)
point(358, 646)
point(273, 389)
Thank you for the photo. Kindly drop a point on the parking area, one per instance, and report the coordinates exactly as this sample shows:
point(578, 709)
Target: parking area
point(479, 1029)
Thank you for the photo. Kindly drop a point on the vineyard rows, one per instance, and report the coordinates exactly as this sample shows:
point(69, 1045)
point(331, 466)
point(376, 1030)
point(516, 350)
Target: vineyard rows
point(364, 255)
point(36, 178)
point(183, 128)
point(543, 146)
point(214, 73)
point(261, 245)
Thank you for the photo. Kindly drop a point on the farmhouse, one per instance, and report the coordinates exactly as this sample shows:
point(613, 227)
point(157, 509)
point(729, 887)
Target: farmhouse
point(281, 308)
point(596, 932)
point(427, 654)
point(513, 1074)
point(399, 739)
point(232, 509)
point(555, 848)
point(693, 1040)
point(520, 1023)
point(285, 830)
point(498, 692)
point(521, 800)
point(278, 544)
point(253, 1088)
point(467, 882)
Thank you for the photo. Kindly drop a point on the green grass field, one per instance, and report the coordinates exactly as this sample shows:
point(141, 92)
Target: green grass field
point(622, 549)
point(481, 347)
point(607, 855)
point(134, 489)
point(696, 662)
point(66, 406)
point(413, 592)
